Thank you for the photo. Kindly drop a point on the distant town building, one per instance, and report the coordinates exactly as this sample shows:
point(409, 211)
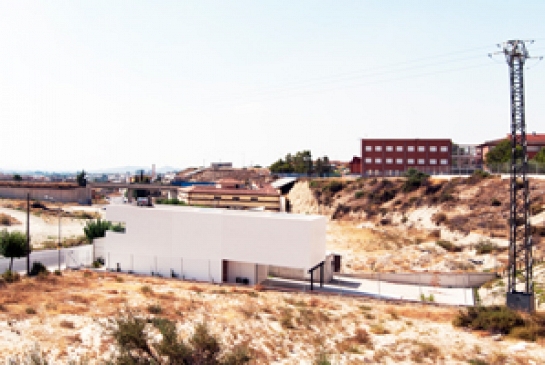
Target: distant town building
point(534, 141)
point(233, 194)
point(218, 165)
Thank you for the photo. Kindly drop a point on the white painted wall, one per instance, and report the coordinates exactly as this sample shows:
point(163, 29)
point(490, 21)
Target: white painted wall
point(194, 241)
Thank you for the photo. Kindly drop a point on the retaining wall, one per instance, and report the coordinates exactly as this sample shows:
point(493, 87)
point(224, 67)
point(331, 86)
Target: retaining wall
point(81, 195)
point(445, 280)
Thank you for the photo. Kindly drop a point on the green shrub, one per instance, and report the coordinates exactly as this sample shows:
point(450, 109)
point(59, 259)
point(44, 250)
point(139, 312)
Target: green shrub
point(359, 194)
point(173, 201)
point(449, 246)
point(485, 247)
point(58, 273)
point(414, 180)
point(334, 186)
point(155, 309)
point(146, 289)
point(38, 268)
point(495, 203)
point(11, 276)
point(498, 319)
point(30, 310)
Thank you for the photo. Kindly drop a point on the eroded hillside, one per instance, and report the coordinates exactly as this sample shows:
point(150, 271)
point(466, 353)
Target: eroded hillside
point(399, 225)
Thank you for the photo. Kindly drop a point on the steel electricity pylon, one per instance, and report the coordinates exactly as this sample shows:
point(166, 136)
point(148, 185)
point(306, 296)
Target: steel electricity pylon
point(520, 288)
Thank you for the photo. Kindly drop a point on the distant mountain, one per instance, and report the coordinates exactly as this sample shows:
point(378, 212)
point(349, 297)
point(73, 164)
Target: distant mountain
point(109, 170)
point(132, 169)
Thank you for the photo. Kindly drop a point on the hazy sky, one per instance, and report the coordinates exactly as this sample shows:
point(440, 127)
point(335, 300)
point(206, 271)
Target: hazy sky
point(95, 84)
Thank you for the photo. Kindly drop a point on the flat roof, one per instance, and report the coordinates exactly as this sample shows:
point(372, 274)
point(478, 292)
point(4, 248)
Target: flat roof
point(281, 182)
point(221, 211)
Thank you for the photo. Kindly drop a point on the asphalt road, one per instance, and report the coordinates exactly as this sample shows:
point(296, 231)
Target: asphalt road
point(69, 257)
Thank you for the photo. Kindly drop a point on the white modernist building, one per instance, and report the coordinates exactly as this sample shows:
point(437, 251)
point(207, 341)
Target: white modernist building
point(215, 245)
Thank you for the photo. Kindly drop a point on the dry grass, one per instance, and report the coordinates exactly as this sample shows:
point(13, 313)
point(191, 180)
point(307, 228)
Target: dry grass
point(278, 327)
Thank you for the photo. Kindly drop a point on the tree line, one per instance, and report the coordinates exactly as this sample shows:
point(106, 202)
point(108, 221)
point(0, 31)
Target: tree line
point(502, 154)
point(302, 163)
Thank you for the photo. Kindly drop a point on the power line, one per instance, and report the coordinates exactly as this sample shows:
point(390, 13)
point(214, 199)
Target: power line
point(286, 95)
point(367, 71)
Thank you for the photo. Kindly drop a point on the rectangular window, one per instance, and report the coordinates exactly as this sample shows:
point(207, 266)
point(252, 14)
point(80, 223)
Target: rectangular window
point(389, 161)
point(410, 148)
point(421, 161)
point(410, 161)
point(236, 198)
point(368, 148)
point(533, 148)
point(378, 148)
point(399, 161)
point(421, 149)
point(444, 149)
point(217, 197)
point(368, 160)
point(253, 198)
point(433, 148)
point(378, 160)
point(399, 148)
point(433, 161)
point(444, 162)
point(389, 149)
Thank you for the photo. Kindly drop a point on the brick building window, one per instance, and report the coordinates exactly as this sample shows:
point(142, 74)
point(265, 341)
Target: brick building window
point(444, 162)
point(421, 161)
point(389, 161)
point(378, 160)
point(433, 161)
point(389, 149)
point(378, 148)
point(399, 161)
point(444, 149)
point(410, 148)
point(399, 148)
point(368, 148)
point(410, 161)
point(421, 149)
point(433, 148)
point(368, 160)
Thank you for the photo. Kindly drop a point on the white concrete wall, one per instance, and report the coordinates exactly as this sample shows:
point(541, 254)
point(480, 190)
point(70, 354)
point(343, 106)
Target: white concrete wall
point(194, 241)
point(241, 270)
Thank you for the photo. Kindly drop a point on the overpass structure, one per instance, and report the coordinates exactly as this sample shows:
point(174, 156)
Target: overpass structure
point(171, 189)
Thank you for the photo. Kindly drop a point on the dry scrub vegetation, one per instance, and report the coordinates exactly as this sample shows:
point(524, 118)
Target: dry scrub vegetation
point(75, 317)
point(48, 211)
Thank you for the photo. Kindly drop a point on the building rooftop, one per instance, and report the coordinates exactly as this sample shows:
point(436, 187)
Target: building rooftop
point(269, 191)
point(218, 211)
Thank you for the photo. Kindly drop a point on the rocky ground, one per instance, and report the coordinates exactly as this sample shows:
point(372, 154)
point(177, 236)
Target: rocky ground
point(72, 317)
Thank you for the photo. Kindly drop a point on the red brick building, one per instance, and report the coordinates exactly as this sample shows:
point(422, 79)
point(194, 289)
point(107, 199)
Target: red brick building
point(355, 165)
point(392, 157)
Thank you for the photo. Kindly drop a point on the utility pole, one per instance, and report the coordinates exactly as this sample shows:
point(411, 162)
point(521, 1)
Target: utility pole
point(520, 236)
point(28, 234)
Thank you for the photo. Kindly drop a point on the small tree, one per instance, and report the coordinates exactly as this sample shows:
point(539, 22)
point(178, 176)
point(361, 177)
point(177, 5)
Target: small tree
point(415, 179)
point(502, 153)
point(12, 245)
point(540, 156)
point(81, 178)
point(17, 177)
point(96, 229)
